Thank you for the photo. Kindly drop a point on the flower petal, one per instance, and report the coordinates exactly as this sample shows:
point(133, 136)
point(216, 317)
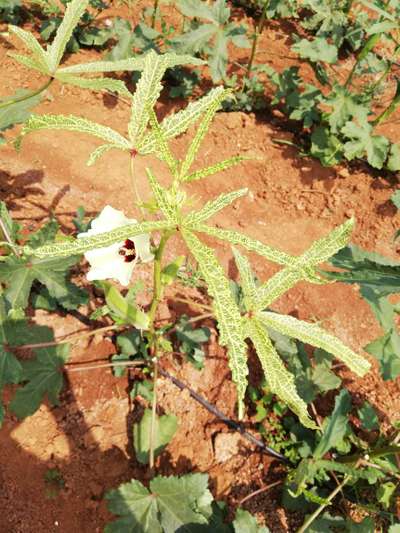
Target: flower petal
point(107, 262)
point(142, 245)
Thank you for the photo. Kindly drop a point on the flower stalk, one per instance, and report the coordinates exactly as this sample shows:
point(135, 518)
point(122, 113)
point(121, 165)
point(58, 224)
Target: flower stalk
point(256, 36)
point(158, 290)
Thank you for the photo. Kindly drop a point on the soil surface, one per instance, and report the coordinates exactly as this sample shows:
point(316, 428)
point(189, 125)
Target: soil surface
point(291, 202)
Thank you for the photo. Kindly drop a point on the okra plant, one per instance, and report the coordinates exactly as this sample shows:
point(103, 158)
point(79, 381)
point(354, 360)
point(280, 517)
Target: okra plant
point(115, 246)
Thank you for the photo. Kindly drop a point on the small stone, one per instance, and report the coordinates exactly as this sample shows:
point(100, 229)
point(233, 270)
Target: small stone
point(93, 437)
point(226, 446)
point(349, 213)
point(61, 447)
point(344, 173)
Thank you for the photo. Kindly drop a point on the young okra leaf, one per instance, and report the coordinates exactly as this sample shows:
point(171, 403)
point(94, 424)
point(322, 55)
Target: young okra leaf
point(10, 373)
point(316, 50)
point(218, 32)
point(169, 505)
point(226, 311)
point(368, 417)
point(122, 310)
point(246, 523)
point(19, 274)
point(164, 430)
point(190, 341)
point(363, 141)
point(344, 106)
point(336, 426)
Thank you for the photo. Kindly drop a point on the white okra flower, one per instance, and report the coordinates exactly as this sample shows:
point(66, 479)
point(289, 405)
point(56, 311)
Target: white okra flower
point(118, 260)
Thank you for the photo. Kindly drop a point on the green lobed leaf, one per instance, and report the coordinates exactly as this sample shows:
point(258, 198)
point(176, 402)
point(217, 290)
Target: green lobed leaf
point(363, 141)
point(326, 146)
point(226, 311)
point(164, 429)
point(44, 378)
point(316, 50)
point(169, 506)
point(368, 417)
point(10, 372)
point(246, 523)
point(316, 336)
point(344, 106)
point(19, 273)
point(368, 269)
point(279, 379)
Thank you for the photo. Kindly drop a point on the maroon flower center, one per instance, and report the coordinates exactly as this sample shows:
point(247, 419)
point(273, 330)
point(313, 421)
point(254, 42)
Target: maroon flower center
point(128, 251)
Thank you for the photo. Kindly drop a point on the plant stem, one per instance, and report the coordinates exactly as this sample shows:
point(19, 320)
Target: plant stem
point(63, 340)
point(193, 303)
point(331, 496)
point(104, 365)
point(135, 185)
point(157, 296)
point(259, 491)
point(154, 16)
point(390, 109)
point(27, 96)
point(256, 36)
point(371, 42)
point(153, 416)
point(7, 236)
